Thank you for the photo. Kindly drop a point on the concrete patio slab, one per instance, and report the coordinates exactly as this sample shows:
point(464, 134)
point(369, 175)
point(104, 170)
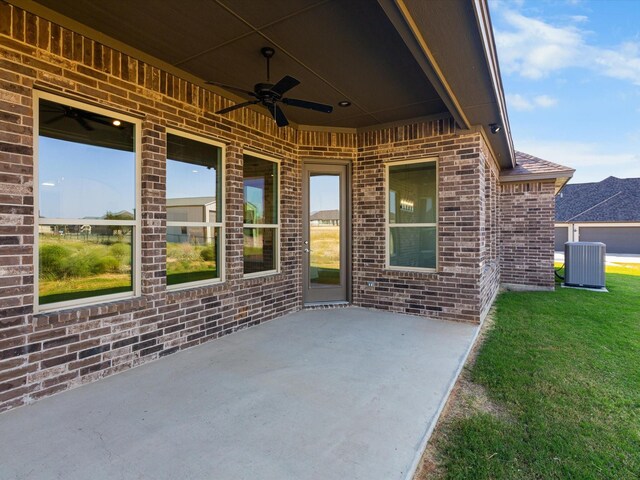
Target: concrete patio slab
point(341, 393)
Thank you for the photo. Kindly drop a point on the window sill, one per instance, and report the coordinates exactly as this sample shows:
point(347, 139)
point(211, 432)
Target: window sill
point(412, 272)
point(268, 273)
point(118, 303)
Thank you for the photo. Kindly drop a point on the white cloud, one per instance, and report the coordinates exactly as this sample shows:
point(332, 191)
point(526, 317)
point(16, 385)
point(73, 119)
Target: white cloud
point(591, 161)
point(545, 101)
point(535, 49)
point(579, 18)
point(520, 102)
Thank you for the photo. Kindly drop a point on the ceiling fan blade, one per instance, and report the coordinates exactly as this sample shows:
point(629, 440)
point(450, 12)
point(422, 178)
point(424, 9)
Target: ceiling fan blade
point(278, 115)
point(319, 107)
point(232, 88)
point(101, 121)
point(236, 107)
point(284, 85)
point(55, 119)
point(84, 123)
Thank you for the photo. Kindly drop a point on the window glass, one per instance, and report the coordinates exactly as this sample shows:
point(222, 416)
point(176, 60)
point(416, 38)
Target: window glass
point(86, 174)
point(412, 193)
point(194, 210)
point(260, 179)
point(86, 165)
point(413, 247)
point(259, 250)
point(412, 230)
point(193, 177)
point(80, 261)
point(192, 254)
point(324, 229)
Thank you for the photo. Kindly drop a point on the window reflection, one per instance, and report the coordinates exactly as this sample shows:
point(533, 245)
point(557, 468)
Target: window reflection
point(412, 193)
point(194, 213)
point(260, 179)
point(260, 182)
point(86, 172)
point(259, 250)
point(412, 213)
point(86, 165)
point(80, 261)
point(193, 183)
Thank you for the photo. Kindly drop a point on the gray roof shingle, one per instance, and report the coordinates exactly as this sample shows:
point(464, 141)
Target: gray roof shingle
point(611, 200)
point(529, 165)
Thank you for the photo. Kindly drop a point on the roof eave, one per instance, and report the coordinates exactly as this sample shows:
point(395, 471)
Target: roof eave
point(483, 17)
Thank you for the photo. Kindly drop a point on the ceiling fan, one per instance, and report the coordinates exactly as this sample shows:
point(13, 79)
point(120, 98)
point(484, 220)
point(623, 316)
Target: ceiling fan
point(269, 95)
point(82, 117)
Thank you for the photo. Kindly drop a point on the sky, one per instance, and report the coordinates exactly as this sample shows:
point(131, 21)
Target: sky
point(571, 76)
point(77, 180)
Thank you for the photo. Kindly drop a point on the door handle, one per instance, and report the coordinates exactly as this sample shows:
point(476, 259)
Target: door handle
point(306, 250)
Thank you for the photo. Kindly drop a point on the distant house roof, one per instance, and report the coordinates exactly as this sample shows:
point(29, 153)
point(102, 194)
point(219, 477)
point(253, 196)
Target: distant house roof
point(611, 200)
point(190, 201)
point(529, 167)
point(325, 215)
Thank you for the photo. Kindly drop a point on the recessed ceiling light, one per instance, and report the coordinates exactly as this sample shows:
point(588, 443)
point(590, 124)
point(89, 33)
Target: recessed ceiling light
point(117, 123)
point(344, 103)
point(48, 184)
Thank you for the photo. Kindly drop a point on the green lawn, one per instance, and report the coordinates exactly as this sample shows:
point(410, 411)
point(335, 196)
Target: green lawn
point(563, 371)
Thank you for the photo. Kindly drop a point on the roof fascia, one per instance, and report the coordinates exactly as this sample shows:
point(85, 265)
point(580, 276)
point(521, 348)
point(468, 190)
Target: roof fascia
point(483, 18)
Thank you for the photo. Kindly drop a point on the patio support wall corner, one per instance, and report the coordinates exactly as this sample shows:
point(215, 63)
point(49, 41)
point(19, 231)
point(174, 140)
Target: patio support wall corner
point(457, 290)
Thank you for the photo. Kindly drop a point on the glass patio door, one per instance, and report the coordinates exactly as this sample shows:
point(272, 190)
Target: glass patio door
point(325, 233)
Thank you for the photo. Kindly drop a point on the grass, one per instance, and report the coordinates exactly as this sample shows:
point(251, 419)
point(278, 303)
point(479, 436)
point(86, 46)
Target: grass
point(325, 254)
point(80, 267)
point(74, 288)
point(325, 247)
point(562, 370)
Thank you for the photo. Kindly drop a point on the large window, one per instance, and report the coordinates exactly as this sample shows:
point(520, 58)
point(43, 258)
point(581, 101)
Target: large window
point(412, 215)
point(87, 221)
point(194, 210)
point(261, 218)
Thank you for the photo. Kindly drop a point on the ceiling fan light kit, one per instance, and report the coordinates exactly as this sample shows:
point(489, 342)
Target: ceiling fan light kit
point(270, 95)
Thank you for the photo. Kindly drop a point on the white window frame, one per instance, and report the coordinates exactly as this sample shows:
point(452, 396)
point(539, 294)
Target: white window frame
point(388, 226)
point(275, 226)
point(216, 224)
point(137, 236)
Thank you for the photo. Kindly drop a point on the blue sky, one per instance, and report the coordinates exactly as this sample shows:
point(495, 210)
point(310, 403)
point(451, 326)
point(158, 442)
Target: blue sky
point(78, 180)
point(571, 75)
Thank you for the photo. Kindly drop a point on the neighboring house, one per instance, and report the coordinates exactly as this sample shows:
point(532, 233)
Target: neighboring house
point(419, 110)
point(190, 209)
point(325, 217)
point(606, 211)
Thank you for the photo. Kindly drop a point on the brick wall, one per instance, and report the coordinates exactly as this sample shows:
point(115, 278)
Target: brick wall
point(41, 354)
point(490, 268)
point(527, 212)
point(453, 291)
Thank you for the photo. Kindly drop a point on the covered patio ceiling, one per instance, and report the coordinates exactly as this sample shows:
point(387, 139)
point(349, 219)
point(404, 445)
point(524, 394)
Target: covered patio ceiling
point(394, 60)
